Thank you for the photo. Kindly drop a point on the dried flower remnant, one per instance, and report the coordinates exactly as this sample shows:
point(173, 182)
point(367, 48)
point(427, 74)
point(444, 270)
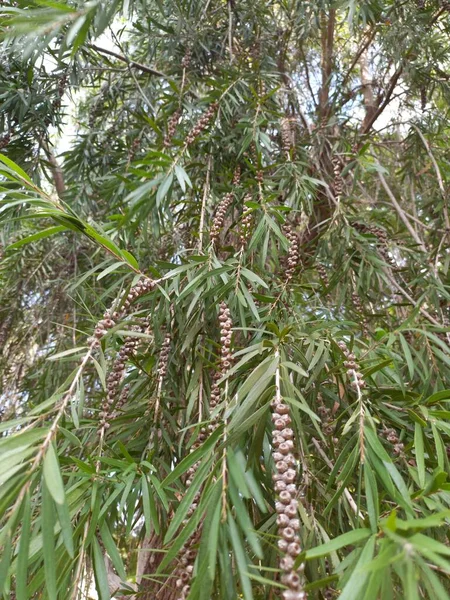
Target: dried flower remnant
point(286, 504)
point(293, 252)
point(201, 124)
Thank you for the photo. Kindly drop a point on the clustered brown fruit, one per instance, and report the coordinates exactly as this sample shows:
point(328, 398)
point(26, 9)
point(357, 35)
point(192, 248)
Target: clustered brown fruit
point(225, 356)
point(164, 357)
point(61, 89)
point(246, 224)
point(188, 551)
point(445, 5)
point(134, 148)
point(4, 330)
point(338, 183)
point(113, 382)
point(323, 275)
point(382, 238)
point(355, 376)
point(219, 217)
point(423, 97)
point(392, 437)
point(286, 504)
point(288, 133)
point(201, 124)
point(325, 415)
point(4, 141)
point(420, 4)
point(171, 127)
point(360, 309)
point(293, 256)
point(111, 317)
point(186, 60)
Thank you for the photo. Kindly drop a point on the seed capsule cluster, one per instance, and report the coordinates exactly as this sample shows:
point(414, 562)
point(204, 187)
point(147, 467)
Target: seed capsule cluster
point(293, 252)
point(355, 376)
point(164, 357)
point(4, 141)
point(111, 317)
point(287, 133)
point(382, 238)
point(338, 183)
point(225, 355)
point(201, 124)
point(219, 217)
point(392, 437)
point(445, 5)
point(360, 309)
point(323, 275)
point(113, 381)
point(186, 60)
point(246, 224)
point(286, 504)
point(171, 127)
point(325, 415)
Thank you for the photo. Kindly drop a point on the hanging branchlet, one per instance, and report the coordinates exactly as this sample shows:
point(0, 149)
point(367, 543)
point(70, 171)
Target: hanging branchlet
point(111, 317)
point(354, 374)
point(293, 256)
point(360, 309)
point(114, 379)
point(338, 183)
point(171, 127)
point(188, 552)
point(286, 504)
point(201, 124)
point(164, 357)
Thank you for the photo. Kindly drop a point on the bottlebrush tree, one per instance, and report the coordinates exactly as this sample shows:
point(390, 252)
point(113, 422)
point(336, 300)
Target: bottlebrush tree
point(224, 300)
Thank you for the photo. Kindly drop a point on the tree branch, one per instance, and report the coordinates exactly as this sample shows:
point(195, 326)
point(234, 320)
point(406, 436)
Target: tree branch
point(130, 63)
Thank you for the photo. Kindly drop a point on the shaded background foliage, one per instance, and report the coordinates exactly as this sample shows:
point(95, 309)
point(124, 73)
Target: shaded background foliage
point(321, 170)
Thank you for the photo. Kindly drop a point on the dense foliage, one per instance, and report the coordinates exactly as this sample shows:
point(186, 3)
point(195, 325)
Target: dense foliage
point(224, 307)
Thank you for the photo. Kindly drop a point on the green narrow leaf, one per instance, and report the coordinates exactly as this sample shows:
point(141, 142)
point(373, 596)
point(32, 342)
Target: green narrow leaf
point(24, 545)
point(112, 551)
point(420, 460)
point(346, 539)
point(100, 573)
point(52, 476)
point(241, 559)
point(5, 562)
point(66, 527)
point(48, 541)
point(37, 236)
point(355, 584)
